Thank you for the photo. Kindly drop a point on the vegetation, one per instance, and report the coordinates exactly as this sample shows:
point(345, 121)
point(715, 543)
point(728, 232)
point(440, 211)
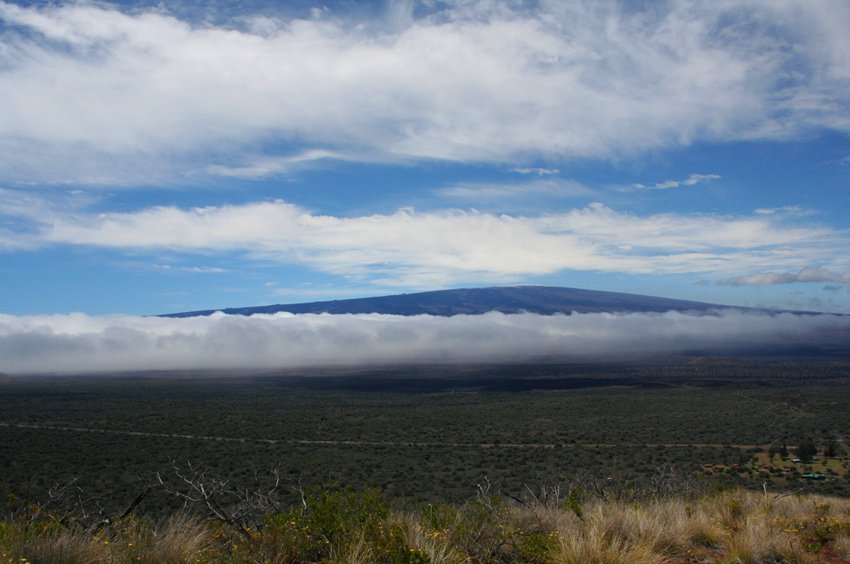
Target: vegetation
point(554, 524)
point(429, 435)
point(175, 467)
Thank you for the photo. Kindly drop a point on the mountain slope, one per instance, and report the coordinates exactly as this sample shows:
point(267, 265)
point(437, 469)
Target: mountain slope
point(510, 299)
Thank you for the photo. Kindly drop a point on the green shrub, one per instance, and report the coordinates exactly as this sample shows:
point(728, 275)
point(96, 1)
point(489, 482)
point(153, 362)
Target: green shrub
point(537, 546)
point(333, 521)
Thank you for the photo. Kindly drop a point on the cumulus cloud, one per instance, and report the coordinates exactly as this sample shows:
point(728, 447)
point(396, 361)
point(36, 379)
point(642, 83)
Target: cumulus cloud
point(804, 275)
point(434, 248)
point(78, 343)
point(94, 94)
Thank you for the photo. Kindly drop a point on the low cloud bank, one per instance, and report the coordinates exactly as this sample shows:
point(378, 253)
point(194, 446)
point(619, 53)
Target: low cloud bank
point(77, 343)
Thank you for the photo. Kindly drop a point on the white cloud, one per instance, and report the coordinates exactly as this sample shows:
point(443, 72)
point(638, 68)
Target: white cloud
point(192, 269)
point(484, 192)
point(789, 210)
point(692, 180)
point(804, 275)
point(438, 248)
point(261, 167)
point(96, 95)
point(535, 170)
point(79, 343)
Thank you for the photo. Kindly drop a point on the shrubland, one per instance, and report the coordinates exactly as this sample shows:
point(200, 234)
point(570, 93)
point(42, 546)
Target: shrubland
point(394, 465)
point(668, 518)
point(430, 435)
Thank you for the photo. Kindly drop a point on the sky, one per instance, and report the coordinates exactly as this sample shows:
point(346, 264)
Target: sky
point(161, 157)
point(168, 156)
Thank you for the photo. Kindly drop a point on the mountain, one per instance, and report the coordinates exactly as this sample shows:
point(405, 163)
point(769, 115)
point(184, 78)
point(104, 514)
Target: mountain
point(511, 299)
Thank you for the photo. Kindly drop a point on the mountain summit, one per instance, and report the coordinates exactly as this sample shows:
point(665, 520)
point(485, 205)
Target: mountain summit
point(545, 300)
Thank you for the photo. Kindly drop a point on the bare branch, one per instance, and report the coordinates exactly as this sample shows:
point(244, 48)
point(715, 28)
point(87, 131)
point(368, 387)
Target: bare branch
point(239, 507)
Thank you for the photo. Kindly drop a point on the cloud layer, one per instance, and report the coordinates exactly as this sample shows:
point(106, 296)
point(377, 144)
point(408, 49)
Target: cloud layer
point(97, 95)
point(436, 248)
point(78, 343)
point(769, 278)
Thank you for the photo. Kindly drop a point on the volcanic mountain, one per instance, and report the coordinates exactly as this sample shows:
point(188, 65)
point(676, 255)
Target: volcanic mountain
point(545, 300)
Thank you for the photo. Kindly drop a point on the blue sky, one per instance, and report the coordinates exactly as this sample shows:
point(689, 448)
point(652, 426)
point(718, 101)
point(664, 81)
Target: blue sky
point(160, 157)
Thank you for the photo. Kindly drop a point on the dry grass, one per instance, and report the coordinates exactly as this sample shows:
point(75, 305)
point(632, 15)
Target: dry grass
point(356, 551)
point(630, 532)
point(182, 538)
point(593, 543)
point(67, 546)
point(433, 545)
point(842, 547)
point(733, 526)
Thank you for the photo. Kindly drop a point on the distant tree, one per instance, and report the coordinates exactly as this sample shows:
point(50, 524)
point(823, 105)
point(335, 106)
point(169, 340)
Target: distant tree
point(806, 450)
point(831, 449)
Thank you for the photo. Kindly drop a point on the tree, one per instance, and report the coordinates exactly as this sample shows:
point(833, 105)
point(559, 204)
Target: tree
point(806, 451)
point(831, 449)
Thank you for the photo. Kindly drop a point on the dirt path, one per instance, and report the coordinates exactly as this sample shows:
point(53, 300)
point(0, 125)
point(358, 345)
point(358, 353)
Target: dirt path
point(329, 442)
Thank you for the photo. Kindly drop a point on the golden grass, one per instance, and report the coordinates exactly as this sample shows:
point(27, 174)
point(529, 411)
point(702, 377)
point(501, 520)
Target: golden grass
point(732, 526)
point(182, 538)
point(433, 545)
point(67, 546)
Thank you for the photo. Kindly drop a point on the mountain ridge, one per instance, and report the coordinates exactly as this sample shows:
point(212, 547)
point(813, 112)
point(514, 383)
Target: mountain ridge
point(546, 300)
